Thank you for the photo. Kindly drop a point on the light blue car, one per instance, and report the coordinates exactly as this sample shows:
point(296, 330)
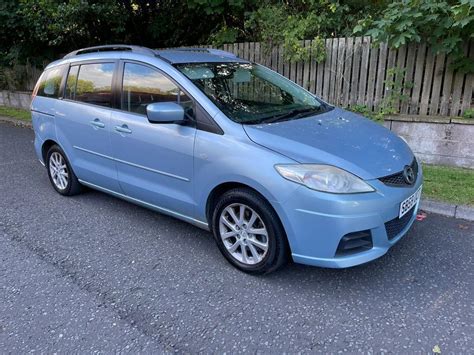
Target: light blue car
point(229, 146)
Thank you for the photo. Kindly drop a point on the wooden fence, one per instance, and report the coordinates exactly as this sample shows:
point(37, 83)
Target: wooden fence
point(356, 73)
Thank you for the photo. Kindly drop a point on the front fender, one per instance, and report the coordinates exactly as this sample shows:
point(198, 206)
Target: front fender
point(220, 159)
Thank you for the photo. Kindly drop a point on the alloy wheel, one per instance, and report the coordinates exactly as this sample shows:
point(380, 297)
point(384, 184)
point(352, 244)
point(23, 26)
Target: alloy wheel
point(243, 233)
point(58, 170)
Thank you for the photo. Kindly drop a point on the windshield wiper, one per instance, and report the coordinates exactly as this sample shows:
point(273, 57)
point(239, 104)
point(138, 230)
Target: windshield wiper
point(292, 114)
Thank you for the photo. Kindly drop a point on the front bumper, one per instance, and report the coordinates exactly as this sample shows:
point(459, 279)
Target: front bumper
point(315, 223)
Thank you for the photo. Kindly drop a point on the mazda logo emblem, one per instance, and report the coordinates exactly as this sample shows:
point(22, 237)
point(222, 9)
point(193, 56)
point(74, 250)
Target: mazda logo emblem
point(409, 175)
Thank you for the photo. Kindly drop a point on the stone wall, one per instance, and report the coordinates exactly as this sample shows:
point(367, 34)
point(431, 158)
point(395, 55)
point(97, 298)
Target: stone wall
point(18, 99)
point(437, 140)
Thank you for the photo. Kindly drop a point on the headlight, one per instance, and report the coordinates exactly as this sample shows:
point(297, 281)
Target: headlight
point(325, 178)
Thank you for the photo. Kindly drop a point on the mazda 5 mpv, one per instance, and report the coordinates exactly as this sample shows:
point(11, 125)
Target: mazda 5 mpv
point(229, 146)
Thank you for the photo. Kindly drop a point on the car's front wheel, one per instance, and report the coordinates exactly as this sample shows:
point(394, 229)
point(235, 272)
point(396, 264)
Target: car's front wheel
point(60, 173)
point(248, 232)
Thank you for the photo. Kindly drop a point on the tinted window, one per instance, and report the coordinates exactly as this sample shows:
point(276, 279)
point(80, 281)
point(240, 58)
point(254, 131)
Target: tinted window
point(50, 82)
point(143, 85)
point(93, 84)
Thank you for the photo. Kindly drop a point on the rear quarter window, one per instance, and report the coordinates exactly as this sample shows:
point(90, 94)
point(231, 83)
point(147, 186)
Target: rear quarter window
point(50, 82)
point(91, 83)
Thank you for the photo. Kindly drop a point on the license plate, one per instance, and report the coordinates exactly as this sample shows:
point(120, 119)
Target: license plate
point(411, 201)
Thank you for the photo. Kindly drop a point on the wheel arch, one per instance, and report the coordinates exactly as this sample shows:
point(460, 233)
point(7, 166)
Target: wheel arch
point(217, 191)
point(47, 144)
point(222, 188)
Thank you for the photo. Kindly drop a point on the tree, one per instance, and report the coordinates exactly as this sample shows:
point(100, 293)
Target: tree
point(290, 22)
point(38, 31)
point(445, 25)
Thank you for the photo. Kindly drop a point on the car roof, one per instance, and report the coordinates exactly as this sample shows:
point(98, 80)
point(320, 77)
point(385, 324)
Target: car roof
point(169, 56)
point(197, 55)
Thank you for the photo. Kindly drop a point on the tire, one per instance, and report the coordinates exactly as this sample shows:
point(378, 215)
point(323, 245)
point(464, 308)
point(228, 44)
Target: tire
point(57, 165)
point(236, 239)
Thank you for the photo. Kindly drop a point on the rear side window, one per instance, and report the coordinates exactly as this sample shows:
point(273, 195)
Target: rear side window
point(143, 85)
point(70, 89)
point(50, 82)
point(91, 83)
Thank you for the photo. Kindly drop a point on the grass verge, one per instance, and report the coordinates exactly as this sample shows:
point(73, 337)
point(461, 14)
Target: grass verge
point(17, 113)
point(448, 184)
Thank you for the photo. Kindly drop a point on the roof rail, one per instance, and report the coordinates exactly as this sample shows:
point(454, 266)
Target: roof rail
point(111, 47)
point(219, 52)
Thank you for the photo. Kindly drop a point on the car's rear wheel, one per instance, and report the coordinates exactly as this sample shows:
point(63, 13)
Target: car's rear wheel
point(60, 173)
point(248, 232)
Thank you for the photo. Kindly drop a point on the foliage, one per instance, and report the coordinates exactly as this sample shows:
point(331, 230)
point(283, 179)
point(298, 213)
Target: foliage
point(444, 25)
point(216, 7)
point(230, 15)
point(13, 77)
point(468, 113)
point(366, 112)
point(44, 28)
point(41, 30)
point(38, 31)
point(395, 86)
point(291, 22)
point(224, 35)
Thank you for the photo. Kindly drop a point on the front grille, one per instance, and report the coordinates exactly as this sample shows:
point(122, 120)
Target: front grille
point(396, 225)
point(397, 180)
point(355, 243)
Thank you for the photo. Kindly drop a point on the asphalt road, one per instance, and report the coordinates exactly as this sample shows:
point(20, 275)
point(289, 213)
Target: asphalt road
point(94, 273)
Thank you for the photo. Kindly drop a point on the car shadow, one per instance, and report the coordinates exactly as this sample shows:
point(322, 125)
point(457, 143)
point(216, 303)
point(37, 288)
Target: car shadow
point(407, 264)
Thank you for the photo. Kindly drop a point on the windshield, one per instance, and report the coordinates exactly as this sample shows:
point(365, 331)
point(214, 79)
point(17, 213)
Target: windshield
point(250, 93)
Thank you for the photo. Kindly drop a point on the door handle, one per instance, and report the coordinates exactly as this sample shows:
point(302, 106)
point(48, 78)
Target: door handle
point(96, 123)
point(123, 129)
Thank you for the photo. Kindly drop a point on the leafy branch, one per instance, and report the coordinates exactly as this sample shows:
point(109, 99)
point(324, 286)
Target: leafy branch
point(446, 28)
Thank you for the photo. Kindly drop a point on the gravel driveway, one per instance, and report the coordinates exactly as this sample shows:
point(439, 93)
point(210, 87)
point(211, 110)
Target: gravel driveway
point(94, 273)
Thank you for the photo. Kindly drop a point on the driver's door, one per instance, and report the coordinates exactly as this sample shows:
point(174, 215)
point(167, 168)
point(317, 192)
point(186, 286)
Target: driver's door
point(154, 161)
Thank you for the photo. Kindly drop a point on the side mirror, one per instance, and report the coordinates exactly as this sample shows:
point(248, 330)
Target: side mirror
point(165, 112)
